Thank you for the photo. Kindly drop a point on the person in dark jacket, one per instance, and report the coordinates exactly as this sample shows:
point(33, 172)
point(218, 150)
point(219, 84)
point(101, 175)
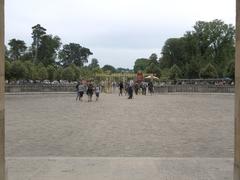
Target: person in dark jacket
point(90, 91)
point(120, 88)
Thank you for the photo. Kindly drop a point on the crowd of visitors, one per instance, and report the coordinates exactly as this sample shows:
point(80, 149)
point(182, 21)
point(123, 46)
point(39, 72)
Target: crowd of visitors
point(89, 89)
point(125, 88)
point(139, 88)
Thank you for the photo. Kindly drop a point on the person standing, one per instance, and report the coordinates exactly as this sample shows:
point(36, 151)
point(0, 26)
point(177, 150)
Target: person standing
point(126, 85)
point(77, 89)
point(120, 88)
point(150, 87)
point(136, 88)
point(144, 88)
point(130, 90)
point(97, 92)
point(81, 89)
point(90, 92)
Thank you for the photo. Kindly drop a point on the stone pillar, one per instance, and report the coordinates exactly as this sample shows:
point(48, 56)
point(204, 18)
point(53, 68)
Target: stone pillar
point(2, 82)
point(237, 96)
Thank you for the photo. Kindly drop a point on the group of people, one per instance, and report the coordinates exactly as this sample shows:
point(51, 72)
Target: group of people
point(127, 88)
point(136, 87)
point(89, 89)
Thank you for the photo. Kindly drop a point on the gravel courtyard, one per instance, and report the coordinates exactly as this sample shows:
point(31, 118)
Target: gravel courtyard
point(176, 125)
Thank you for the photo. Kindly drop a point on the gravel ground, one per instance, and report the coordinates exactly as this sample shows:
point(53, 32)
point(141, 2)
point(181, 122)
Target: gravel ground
point(176, 125)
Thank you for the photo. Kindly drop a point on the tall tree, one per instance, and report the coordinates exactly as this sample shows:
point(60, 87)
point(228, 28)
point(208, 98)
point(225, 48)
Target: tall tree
point(141, 65)
point(18, 70)
point(230, 71)
point(175, 72)
point(209, 42)
point(94, 64)
point(47, 50)
point(209, 71)
point(17, 49)
point(37, 32)
point(68, 74)
point(74, 54)
point(51, 71)
point(153, 58)
point(109, 68)
point(7, 70)
point(42, 73)
point(173, 53)
point(215, 42)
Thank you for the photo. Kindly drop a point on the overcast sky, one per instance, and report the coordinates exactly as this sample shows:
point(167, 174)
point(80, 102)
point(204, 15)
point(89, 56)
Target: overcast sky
point(116, 31)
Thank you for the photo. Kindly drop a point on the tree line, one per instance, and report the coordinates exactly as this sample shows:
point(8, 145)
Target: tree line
point(208, 51)
point(47, 58)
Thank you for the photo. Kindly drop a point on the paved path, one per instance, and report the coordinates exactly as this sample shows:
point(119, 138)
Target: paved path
point(53, 137)
point(120, 169)
point(159, 126)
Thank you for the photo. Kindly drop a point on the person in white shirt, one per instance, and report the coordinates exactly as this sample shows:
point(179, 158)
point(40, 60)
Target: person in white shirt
point(97, 92)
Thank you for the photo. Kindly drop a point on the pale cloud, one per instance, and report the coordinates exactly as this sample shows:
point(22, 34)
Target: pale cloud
point(114, 27)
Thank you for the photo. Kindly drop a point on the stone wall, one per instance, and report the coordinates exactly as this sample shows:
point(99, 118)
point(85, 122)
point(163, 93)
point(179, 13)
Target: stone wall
point(158, 89)
point(194, 88)
point(39, 88)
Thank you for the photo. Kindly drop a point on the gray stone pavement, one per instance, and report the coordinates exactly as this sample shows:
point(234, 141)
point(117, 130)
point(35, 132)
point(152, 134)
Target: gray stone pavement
point(195, 125)
point(184, 136)
point(119, 168)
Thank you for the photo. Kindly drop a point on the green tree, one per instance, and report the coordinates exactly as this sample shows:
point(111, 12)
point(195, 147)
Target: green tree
point(215, 43)
point(35, 75)
point(209, 42)
point(85, 73)
point(109, 68)
point(153, 58)
point(209, 71)
point(76, 71)
point(68, 74)
point(42, 73)
point(74, 54)
point(120, 70)
point(173, 53)
point(37, 33)
point(18, 70)
point(29, 70)
point(94, 64)
point(192, 69)
point(153, 69)
point(175, 72)
point(51, 71)
point(141, 65)
point(8, 70)
point(17, 49)
point(6, 51)
point(47, 50)
point(59, 73)
point(230, 71)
